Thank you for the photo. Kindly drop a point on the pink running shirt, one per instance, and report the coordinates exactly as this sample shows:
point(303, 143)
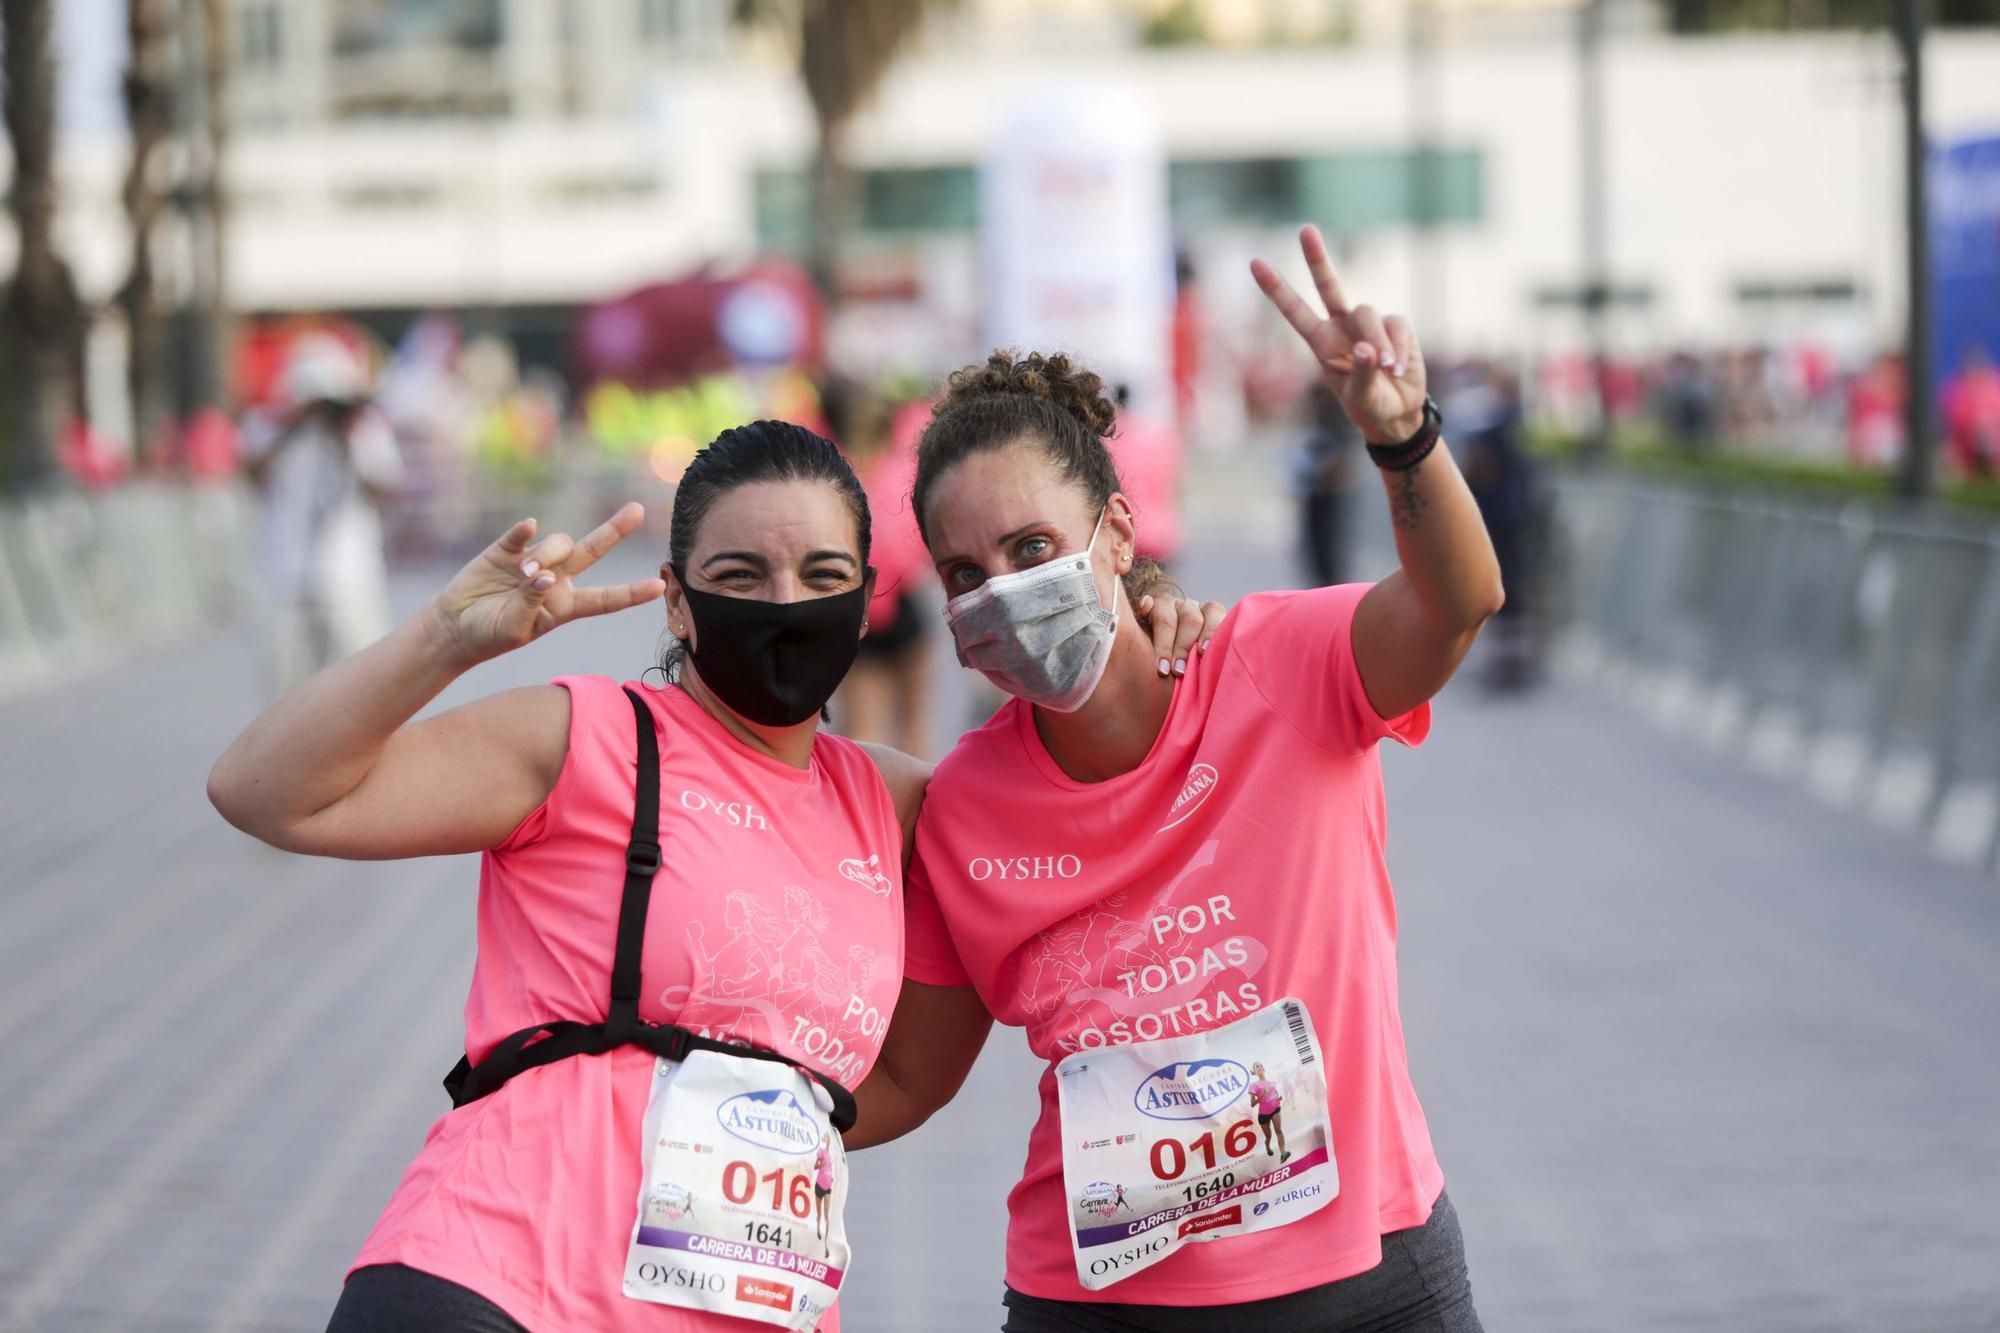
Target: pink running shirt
point(1265, 1094)
point(776, 918)
point(1241, 862)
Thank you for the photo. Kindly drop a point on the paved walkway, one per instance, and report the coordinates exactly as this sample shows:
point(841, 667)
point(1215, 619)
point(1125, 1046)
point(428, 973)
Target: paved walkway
point(1699, 1052)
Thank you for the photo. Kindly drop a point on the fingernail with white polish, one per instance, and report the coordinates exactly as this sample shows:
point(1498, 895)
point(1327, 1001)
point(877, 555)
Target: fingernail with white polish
point(1163, 666)
point(530, 567)
point(1180, 667)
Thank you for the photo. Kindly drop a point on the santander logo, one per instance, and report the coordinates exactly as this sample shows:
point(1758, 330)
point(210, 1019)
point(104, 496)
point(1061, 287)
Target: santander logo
point(1201, 780)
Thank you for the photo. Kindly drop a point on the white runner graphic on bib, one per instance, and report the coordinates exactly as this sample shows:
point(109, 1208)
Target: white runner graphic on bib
point(1192, 1138)
point(741, 1188)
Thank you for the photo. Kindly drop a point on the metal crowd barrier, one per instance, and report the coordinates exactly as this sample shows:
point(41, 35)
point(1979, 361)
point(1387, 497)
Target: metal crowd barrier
point(1866, 639)
point(86, 577)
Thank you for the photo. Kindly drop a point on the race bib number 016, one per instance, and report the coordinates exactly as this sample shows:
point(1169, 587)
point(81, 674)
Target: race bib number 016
point(1193, 1138)
point(740, 1193)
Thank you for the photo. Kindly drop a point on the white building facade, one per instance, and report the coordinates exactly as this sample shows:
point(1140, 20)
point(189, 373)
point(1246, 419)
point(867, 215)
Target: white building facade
point(520, 154)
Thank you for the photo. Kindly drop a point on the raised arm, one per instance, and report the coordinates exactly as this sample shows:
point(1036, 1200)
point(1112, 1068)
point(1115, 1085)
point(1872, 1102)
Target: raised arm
point(336, 767)
point(1413, 628)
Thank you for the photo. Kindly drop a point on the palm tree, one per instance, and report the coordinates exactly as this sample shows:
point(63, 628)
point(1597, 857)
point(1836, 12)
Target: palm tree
point(40, 328)
point(149, 103)
point(844, 49)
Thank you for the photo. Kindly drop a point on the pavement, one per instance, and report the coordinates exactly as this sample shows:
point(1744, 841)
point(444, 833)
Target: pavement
point(1698, 1051)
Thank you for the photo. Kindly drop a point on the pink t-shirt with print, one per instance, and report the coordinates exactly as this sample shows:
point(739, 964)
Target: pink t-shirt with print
point(775, 919)
point(1241, 862)
point(1265, 1094)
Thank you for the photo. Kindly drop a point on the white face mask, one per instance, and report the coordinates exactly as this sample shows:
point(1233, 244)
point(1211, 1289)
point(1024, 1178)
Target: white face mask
point(1042, 634)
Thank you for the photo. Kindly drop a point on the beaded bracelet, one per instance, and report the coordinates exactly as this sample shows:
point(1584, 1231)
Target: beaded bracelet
point(1404, 456)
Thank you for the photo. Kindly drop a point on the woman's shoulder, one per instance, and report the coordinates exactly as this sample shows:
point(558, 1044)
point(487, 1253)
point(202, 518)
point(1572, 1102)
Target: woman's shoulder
point(1277, 623)
point(907, 777)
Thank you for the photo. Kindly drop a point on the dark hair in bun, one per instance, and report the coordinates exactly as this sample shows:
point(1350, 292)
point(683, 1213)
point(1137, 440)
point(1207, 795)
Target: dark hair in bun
point(1059, 407)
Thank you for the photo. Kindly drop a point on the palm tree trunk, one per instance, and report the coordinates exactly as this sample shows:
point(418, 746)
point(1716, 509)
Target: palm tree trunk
point(221, 325)
point(39, 329)
point(846, 48)
point(835, 209)
point(149, 112)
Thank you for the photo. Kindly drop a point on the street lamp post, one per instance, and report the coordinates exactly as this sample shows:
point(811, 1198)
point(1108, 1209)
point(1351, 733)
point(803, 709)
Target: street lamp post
point(1915, 477)
point(1596, 292)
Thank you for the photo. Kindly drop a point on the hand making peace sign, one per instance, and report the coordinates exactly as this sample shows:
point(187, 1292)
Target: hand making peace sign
point(513, 592)
point(1374, 364)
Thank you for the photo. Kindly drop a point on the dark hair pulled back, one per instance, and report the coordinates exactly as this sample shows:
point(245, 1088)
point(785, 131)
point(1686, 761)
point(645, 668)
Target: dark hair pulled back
point(1045, 400)
point(740, 456)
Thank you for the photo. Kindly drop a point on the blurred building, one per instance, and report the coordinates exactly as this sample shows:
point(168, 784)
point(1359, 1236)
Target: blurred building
point(522, 157)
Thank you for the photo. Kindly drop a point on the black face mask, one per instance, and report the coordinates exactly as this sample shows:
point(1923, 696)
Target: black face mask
point(776, 663)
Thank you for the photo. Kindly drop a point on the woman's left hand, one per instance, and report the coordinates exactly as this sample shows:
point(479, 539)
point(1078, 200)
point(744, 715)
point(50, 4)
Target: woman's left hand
point(1179, 625)
point(1373, 364)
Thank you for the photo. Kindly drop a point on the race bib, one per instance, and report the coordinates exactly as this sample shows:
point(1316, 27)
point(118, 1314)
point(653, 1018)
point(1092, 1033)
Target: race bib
point(1193, 1138)
point(740, 1193)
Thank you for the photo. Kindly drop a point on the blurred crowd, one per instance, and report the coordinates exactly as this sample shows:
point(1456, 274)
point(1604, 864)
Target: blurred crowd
point(1796, 400)
point(362, 449)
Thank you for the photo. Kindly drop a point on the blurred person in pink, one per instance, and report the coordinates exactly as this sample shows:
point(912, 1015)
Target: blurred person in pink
point(1189, 332)
point(1875, 413)
point(770, 852)
point(1972, 416)
point(324, 462)
point(1151, 461)
point(887, 697)
point(1175, 872)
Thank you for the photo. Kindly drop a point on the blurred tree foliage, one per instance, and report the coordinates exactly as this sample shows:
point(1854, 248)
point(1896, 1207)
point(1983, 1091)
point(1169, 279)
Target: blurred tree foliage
point(1691, 16)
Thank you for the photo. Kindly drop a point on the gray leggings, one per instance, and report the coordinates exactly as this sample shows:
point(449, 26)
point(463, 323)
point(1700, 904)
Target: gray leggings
point(1419, 1287)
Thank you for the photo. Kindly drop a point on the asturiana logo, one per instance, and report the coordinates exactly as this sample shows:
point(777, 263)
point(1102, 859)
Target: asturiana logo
point(1191, 1090)
point(868, 874)
point(770, 1119)
point(1101, 1197)
point(1201, 780)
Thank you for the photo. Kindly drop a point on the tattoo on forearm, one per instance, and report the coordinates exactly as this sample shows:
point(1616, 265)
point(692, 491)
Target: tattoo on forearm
point(1407, 503)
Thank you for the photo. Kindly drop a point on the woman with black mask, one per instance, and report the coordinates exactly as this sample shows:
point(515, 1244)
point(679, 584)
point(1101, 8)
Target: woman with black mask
point(570, 1198)
point(636, 1126)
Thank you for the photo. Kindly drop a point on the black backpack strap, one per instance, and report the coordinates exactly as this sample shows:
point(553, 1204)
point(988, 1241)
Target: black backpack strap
point(642, 862)
point(561, 1039)
point(545, 1043)
point(675, 1043)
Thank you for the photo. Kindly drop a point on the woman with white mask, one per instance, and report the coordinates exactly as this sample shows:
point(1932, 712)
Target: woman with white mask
point(1174, 880)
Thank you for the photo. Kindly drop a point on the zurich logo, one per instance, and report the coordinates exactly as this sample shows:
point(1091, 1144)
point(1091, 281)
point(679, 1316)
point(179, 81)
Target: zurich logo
point(770, 1119)
point(1191, 1090)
